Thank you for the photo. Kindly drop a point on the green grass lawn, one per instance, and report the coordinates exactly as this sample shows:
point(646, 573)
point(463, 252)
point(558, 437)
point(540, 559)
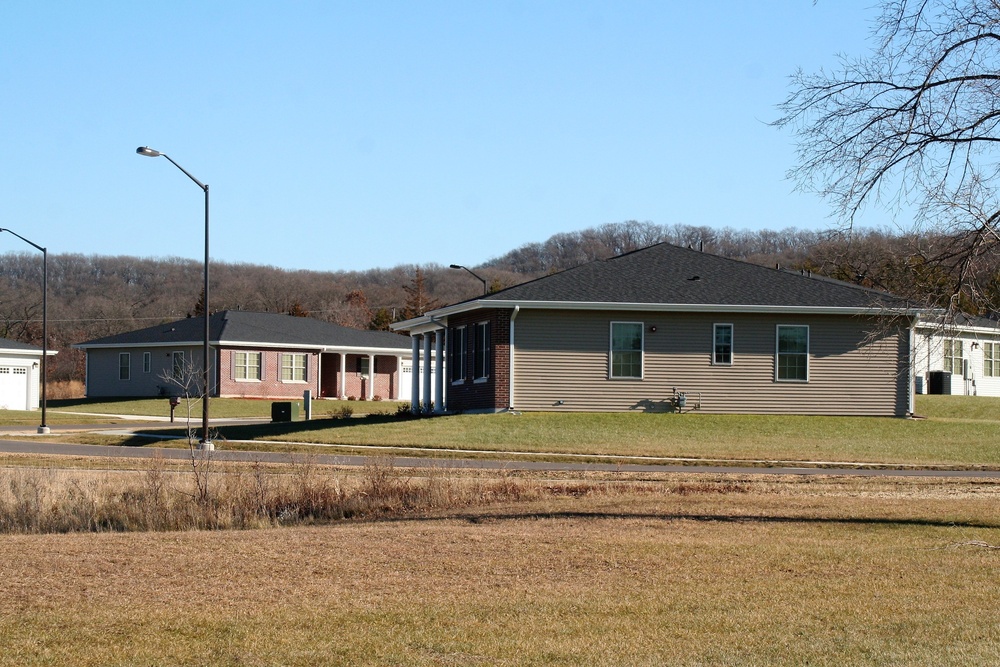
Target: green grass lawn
point(957, 430)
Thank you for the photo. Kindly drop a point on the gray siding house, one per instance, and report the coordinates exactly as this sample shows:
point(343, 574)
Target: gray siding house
point(672, 329)
point(254, 355)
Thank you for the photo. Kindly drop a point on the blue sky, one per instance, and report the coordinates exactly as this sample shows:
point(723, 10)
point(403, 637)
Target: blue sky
point(338, 135)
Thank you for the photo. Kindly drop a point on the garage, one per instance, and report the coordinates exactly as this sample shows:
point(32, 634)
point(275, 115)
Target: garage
point(20, 375)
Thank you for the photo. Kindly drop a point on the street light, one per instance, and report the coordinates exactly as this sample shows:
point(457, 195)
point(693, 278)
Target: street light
point(478, 277)
point(44, 428)
point(206, 441)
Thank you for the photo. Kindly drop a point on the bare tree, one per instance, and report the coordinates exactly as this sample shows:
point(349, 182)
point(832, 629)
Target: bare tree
point(914, 125)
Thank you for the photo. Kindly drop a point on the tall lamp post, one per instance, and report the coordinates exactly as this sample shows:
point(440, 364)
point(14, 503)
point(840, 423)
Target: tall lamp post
point(44, 428)
point(206, 440)
point(478, 277)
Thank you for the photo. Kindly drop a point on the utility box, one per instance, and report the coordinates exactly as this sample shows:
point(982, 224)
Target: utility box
point(939, 382)
point(284, 411)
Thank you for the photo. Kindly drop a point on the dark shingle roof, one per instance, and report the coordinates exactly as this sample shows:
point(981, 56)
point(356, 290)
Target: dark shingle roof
point(669, 274)
point(8, 344)
point(236, 326)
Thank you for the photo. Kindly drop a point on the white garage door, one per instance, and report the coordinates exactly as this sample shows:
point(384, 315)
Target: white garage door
point(13, 388)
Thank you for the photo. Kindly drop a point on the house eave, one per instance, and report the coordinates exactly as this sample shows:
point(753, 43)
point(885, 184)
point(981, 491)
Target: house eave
point(434, 319)
point(179, 343)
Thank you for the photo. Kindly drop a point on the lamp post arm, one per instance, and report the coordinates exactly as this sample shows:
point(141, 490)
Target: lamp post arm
point(474, 274)
point(10, 231)
point(186, 173)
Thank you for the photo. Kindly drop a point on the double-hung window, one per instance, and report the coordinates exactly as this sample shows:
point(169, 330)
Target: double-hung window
point(457, 353)
point(147, 362)
point(293, 367)
point(177, 365)
point(792, 354)
point(246, 366)
point(991, 359)
point(481, 351)
point(722, 354)
point(124, 366)
point(953, 355)
point(626, 350)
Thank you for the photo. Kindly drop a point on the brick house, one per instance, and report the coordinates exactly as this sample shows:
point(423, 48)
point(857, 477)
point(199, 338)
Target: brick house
point(254, 355)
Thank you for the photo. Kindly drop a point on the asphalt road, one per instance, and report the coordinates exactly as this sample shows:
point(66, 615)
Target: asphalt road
point(39, 447)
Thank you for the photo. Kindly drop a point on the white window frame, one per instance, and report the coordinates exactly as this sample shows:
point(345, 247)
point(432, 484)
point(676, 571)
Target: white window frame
point(778, 353)
point(715, 343)
point(991, 359)
point(126, 368)
point(948, 357)
point(481, 341)
point(364, 367)
point(288, 363)
point(178, 361)
point(246, 366)
point(612, 351)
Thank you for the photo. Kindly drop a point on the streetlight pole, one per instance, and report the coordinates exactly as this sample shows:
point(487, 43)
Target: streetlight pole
point(478, 277)
point(44, 428)
point(206, 440)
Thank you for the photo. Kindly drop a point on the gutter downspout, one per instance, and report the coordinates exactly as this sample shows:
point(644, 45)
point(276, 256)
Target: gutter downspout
point(911, 381)
point(510, 370)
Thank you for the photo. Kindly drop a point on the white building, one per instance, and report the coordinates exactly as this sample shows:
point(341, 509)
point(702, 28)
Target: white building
point(20, 375)
point(960, 357)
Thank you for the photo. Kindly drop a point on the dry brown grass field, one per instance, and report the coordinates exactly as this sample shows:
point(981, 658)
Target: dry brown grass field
point(605, 569)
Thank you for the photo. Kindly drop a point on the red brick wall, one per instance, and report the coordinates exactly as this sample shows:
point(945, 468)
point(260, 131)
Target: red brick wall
point(494, 393)
point(270, 384)
point(386, 378)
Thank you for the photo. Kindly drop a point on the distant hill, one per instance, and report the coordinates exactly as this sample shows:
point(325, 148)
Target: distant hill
point(93, 296)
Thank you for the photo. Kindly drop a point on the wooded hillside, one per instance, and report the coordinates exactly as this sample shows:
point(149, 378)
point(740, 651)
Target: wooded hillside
point(93, 296)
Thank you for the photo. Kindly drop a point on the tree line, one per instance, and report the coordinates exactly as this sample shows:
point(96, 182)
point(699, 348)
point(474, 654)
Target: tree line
point(95, 296)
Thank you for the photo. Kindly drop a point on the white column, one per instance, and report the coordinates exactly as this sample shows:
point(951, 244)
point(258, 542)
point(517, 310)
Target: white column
point(415, 375)
point(427, 374)
point(342, 384)
point(439, 370)
point(371, 376)
point(394, 393)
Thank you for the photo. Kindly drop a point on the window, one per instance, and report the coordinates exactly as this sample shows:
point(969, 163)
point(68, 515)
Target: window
point(481, 351)
point(124, 366)
point(293, 367)
point(792, 359)
point(178, 365)
point(723, 354)
point(953, 356)
point(246, 366)
point(626, 350)
point(457, 353)
point(20, 370)
point(364, 367)
point(991, 359)
point(147, 362)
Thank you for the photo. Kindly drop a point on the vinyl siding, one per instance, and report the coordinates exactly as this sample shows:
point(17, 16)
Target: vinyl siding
point(102, 371)
point(929, 356)
point(563, 356)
